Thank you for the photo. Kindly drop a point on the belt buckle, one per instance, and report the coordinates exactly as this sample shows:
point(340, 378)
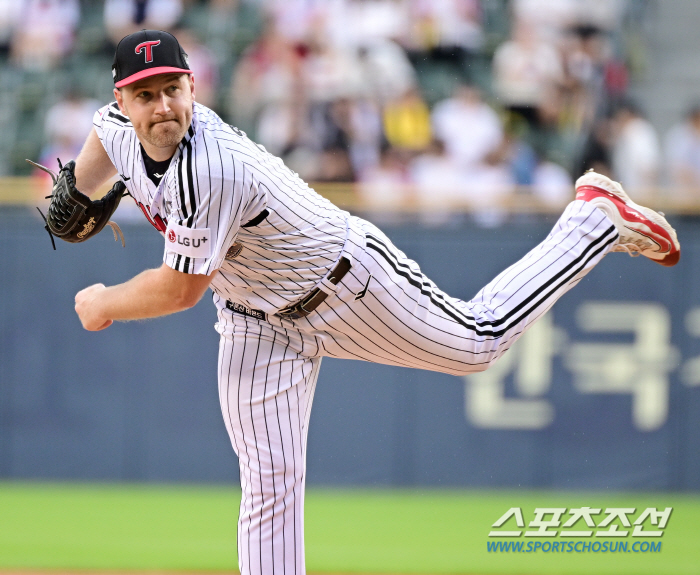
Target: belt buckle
point(297, 311)
point(292, 313)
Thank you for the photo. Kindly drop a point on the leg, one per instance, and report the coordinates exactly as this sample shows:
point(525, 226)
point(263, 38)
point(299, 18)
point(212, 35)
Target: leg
point(266, 390)
point(404, 319)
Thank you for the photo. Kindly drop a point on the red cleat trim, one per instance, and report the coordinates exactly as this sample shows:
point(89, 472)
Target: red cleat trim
point(660, 235)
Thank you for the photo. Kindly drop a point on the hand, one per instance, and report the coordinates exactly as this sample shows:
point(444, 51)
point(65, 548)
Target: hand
point(88, 310)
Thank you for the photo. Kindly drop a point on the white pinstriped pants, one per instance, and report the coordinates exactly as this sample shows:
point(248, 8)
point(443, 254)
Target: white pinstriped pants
point(268, 369)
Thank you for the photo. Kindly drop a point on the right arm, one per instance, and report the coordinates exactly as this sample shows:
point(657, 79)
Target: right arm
point(92, 166)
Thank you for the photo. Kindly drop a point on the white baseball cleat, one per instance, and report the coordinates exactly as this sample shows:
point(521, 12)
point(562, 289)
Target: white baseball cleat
point(642, 230)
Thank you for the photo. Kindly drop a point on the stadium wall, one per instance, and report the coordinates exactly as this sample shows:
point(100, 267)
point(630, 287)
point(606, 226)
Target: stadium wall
point(603, 393)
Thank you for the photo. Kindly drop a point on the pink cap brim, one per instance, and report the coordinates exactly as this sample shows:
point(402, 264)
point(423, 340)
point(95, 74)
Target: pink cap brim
point(150, 72)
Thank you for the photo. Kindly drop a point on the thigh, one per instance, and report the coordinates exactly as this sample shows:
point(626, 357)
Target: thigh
point(265, 389)
point(388, 311)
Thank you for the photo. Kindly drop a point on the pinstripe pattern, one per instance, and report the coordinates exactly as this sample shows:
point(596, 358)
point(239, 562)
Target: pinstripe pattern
point(266, 389)
point(384, 310)
point(219, 179)
point(403, 319)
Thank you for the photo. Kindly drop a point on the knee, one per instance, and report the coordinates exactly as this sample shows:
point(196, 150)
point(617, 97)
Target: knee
point(485, 362)
point(471, 370)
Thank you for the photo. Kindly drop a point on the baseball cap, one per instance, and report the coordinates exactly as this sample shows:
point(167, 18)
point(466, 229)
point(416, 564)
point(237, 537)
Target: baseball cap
point(147, 53)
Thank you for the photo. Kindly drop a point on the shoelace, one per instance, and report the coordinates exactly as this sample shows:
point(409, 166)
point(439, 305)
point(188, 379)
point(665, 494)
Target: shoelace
point(631, 249)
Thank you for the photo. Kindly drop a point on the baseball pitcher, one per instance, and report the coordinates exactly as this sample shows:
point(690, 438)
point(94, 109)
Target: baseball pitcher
point(294, 278)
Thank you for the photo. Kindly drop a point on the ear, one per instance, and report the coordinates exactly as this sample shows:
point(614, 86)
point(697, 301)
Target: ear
point(120, 101)
point(191, 80)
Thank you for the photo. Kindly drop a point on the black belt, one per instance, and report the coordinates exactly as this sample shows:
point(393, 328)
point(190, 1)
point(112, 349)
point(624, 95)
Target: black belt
point(304, 307)
point(314, 299)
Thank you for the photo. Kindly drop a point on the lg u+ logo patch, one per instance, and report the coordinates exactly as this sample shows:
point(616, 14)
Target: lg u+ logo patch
point(194, 243)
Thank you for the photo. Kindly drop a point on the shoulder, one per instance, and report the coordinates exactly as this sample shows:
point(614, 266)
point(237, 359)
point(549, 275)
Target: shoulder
point(216, 137)
point(110, 117)
point(211, 127)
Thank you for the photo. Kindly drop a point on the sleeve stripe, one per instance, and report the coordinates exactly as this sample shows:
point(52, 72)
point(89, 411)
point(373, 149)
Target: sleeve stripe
point(190, 184)
point(183, 206)
point(118, 117)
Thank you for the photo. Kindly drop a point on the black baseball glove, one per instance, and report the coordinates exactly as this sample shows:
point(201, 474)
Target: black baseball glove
point(73, 216)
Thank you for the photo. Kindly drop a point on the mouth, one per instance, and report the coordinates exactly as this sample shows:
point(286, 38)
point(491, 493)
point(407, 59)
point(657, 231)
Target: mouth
point(165, 122)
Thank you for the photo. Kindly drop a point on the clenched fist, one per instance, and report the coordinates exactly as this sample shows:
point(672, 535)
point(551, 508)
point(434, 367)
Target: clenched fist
point(87, 306)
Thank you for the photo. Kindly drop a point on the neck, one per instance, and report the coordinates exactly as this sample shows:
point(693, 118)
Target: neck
point(158, 154)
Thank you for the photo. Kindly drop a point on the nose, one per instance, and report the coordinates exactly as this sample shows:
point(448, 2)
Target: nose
point(162, 105)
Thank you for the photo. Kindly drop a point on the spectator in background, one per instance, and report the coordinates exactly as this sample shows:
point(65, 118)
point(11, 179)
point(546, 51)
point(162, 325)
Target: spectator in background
point(361, 22)
point(487, 186)
point(280, 126)
point(526, 72)
point(45, 33)
point(604, 15)
point(386, 184)
point(294, 20)
point(585, 51)
point(549, 18)
point(439, 184)
point(682, 147)
point(269, 72)
point(437, 178)
point(333, 132)
point(636, 154)
point(332, 79)
point(123, 17)
point(552, 17)
point(552, 184)
point(541, 178)
point(407, 122)
point(365, 129)
point(203, 63)
point(218, 27)
point(10, 14)
point(470, 129)
point(596, 154)
point(330, 71)
point(449, 29)
point(386, 70)
point(67, 125)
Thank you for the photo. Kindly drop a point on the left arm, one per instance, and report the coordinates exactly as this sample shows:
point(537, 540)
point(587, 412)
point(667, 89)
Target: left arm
point(152, 293)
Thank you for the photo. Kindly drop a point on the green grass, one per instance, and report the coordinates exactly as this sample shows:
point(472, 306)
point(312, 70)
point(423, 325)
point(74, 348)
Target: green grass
point(112, 527)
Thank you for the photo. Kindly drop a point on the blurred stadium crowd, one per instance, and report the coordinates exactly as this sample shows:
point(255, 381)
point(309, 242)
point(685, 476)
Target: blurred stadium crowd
point(471, 100)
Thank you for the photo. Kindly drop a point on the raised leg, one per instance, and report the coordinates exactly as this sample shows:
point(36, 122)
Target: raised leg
point(405, 319)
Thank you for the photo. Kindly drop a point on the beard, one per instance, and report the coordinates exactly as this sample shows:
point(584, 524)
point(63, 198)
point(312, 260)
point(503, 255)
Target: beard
point(165, 134)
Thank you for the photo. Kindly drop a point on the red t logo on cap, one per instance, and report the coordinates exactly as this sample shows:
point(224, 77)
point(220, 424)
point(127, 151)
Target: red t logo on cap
point(148, 46)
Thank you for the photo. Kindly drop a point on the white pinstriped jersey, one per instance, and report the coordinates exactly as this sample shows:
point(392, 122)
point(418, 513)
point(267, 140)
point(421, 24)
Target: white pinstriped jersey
point(219, 180)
